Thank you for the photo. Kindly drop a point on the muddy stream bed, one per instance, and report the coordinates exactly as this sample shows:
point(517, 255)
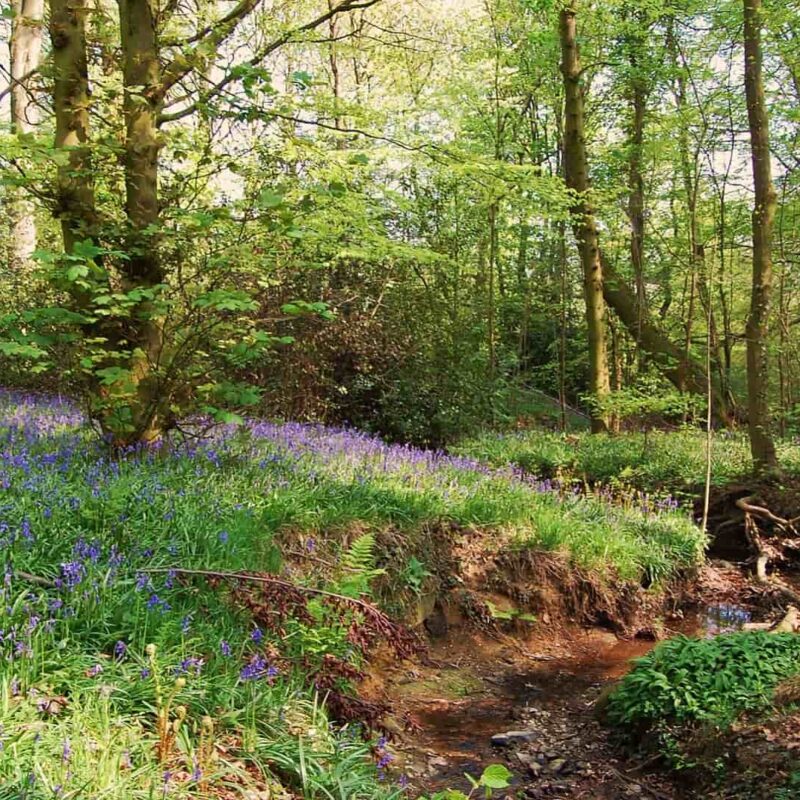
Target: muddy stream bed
point(528, 702)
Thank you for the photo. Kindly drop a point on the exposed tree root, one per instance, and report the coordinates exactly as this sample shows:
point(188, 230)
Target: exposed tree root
point(765, 552)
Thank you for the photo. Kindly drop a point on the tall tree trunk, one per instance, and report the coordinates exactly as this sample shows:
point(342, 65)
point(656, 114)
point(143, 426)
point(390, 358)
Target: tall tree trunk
point(25, 47)
point(761, 443)
point(490, 293)
point(638, 98)
point(576, 173)
point(143, 269)
point(75, 205)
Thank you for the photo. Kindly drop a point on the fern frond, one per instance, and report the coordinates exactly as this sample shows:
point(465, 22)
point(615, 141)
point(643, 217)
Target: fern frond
point(360, 556)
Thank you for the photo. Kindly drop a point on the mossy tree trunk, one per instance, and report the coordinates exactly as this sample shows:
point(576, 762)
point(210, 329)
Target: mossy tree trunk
point(143, 269)
point(757, 330)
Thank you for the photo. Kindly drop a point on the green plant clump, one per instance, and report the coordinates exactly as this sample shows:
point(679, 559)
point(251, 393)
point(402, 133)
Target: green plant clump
point(688, 681)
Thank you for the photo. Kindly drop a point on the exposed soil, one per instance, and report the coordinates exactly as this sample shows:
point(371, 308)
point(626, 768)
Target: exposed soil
point(542, 680)
point(486, 687)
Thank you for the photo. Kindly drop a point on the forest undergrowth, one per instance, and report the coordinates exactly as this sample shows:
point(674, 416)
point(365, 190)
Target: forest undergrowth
point(125, 674)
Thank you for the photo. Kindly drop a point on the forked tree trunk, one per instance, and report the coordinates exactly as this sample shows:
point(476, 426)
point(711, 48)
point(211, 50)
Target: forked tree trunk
point(576, 173)
point(25, 47)
point(686, 374)
point(757, 330)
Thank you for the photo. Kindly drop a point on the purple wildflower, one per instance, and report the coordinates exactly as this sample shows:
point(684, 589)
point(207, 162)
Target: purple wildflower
point(72, 573)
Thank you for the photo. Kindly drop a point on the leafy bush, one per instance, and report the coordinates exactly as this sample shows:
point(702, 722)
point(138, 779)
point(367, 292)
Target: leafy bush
point(686, 681)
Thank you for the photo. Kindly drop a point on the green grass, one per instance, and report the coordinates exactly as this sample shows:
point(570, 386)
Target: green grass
point(657, 461)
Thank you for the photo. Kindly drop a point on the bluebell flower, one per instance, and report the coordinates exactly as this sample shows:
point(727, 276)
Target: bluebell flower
point(72, 573)
point(156, 602)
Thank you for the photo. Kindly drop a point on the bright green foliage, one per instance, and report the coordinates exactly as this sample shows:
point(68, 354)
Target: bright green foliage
point(359, 566)
point(494, 777)
point(671, 461)
point(708, 681)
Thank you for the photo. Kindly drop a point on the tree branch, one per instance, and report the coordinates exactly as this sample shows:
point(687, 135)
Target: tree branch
point(182, 66)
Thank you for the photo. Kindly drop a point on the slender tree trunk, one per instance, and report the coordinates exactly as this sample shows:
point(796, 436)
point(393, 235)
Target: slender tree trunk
point(562, 339)
point(333, 63)
point(143, 269)
point(490, 292)
point(638, 96)
point(25, 47)
point(761, 443)
point(585, 227)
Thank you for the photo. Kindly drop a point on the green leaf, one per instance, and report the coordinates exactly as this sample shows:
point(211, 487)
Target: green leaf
point(226, 300)
point(270, 199)
point(21, 350)
point(77, 271)
point(302, 79)
point(111, 375)
point(495, 776)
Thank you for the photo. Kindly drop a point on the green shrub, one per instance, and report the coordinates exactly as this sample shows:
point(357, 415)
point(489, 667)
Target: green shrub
point(687, 681)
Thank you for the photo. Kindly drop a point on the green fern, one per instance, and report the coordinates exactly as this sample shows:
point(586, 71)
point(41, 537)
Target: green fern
point(360, 556)
point(359, 565)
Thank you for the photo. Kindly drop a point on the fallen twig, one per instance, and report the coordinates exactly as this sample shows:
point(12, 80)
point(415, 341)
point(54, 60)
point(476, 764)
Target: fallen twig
point(37, 579)
point(245, 576)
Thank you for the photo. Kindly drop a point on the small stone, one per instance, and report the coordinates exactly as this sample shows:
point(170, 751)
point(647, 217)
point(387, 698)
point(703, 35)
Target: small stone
point(528, 760)
point(514, 737)
point(557, 764)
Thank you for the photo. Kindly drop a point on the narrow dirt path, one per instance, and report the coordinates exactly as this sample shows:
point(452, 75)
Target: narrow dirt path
point(489, 702)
